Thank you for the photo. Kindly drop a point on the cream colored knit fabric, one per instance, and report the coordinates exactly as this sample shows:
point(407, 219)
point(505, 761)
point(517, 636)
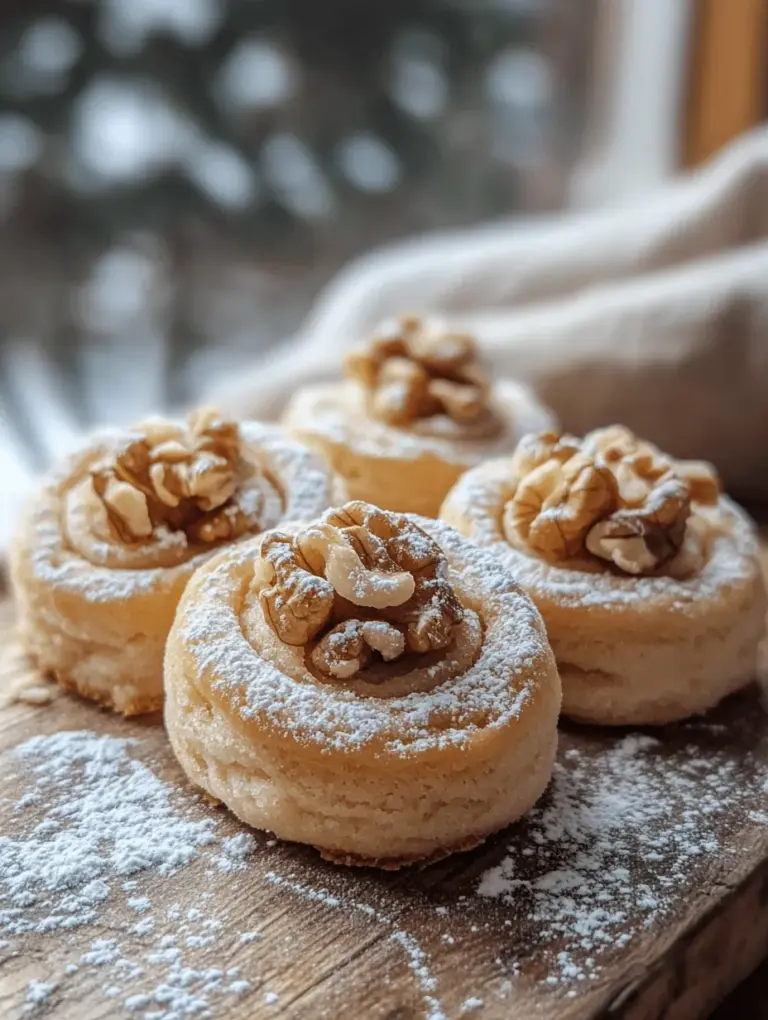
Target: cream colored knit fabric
point(654, 314)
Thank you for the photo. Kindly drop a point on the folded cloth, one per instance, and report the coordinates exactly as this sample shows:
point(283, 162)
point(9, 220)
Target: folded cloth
point(654, 314)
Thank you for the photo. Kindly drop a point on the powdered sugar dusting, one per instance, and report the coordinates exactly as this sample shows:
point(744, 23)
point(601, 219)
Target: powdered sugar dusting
point(418, 961)
point(97, 815)
point(476, 504)
point(119, 822)
point(295, 485)
point(91, 834)
point(38, 992)
point(337, 413)
point(615, 844)
point(491, 693)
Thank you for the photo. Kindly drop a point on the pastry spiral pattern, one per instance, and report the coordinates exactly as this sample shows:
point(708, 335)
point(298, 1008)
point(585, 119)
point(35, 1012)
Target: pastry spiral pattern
point(646, 574)
point(368, 683)
point(113, 536)
point(416, 409)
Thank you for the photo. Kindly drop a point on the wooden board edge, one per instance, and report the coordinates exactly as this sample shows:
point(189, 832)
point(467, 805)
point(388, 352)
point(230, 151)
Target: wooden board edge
point(704, 965)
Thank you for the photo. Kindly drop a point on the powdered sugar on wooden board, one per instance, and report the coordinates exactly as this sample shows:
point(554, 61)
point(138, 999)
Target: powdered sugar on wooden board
point(418, 961)
point(106, 816)
point(108, 823)
point(621, 838)
point(120, 888)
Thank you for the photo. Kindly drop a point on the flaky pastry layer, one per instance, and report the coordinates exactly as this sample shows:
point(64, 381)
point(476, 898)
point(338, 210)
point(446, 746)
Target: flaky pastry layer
point(635, 650)
point(95, 612)
point(363, 775)
point(405, 469)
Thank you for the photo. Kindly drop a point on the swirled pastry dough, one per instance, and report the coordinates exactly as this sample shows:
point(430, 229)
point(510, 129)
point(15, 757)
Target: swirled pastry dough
point(112, 537)
point(371, 684)
point(416, 410)
point(647, 576)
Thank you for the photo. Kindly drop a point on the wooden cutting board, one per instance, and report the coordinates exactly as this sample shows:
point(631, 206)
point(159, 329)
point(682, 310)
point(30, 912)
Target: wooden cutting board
point(643, 893)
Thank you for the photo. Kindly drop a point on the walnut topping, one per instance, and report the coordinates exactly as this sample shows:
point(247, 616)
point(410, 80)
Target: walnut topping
point(640, 538)
point(611, 495)
point(362, 582)
point(299, 602)
point(348, 647)
point(702, 479)
point(536, 449)
point(184, 479)
point(556, 504)
point(129, 506)
point(417, 371)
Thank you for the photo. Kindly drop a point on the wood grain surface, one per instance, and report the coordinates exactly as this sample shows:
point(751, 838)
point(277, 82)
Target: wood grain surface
point(313, 941)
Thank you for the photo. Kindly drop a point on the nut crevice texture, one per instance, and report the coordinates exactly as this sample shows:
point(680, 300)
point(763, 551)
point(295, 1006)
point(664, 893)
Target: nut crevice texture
point(362, 584)
point(610, 497)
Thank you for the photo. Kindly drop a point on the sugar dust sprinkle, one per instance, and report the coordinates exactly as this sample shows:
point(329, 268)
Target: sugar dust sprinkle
point(108, 821)
point(604, 857)
point(621, 835)
point(38, 992)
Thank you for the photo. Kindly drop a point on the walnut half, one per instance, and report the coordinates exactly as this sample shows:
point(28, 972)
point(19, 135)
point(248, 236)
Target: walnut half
point(183, 479)
point(611, 496)
point(361, 582)
point(415, 370)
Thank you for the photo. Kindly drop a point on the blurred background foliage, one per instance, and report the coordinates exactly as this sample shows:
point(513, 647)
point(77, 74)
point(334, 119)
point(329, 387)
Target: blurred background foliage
point(178, 178)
